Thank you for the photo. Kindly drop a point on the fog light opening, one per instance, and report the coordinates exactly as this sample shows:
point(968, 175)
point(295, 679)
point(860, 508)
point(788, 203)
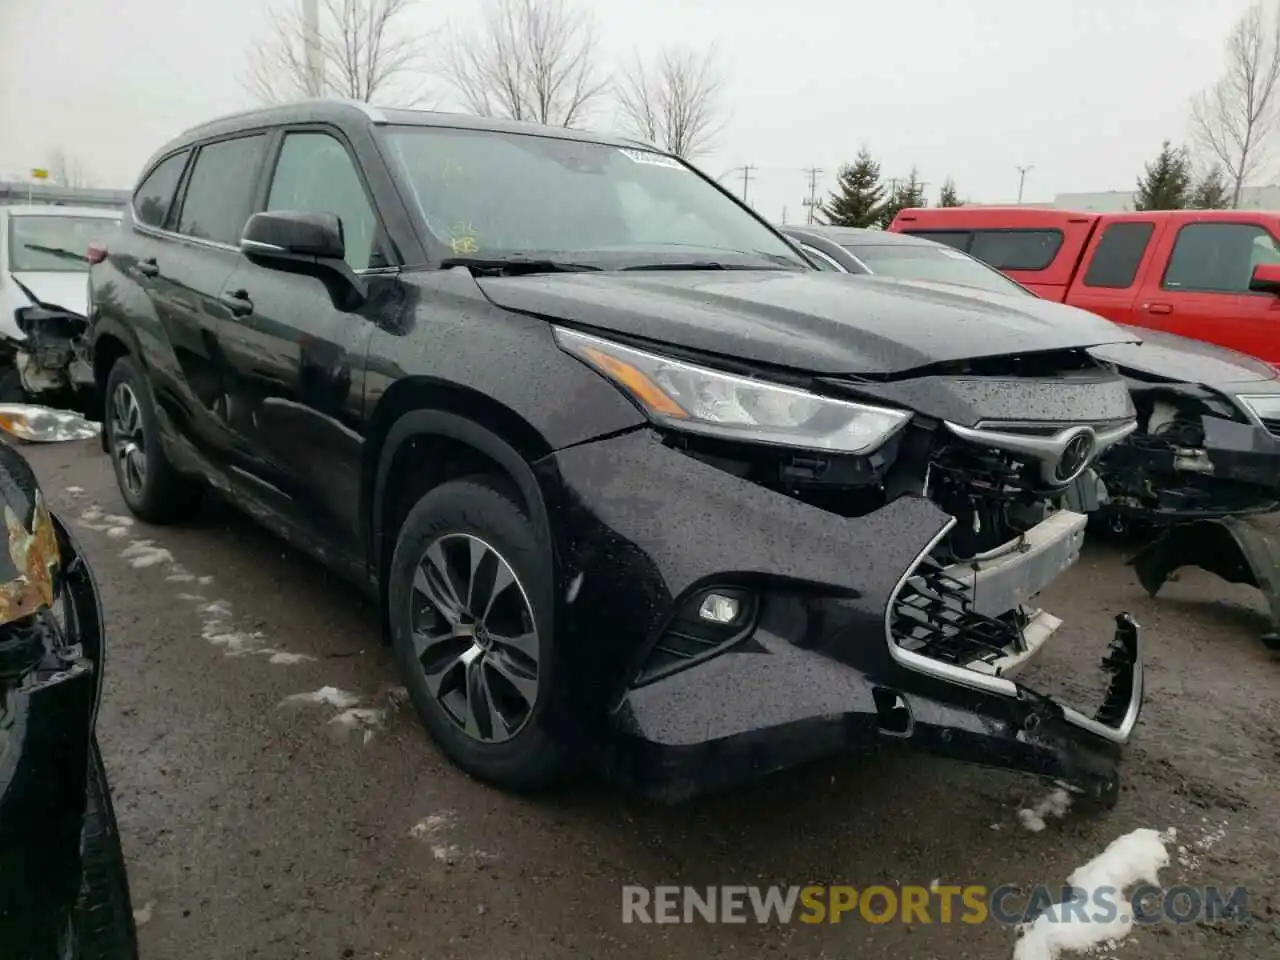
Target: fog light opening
point(893, 713)
point(720, 608)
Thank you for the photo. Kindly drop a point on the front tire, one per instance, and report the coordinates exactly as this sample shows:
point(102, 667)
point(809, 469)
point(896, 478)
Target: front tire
point(104, 924)
point(152, 488)
point(470, 601)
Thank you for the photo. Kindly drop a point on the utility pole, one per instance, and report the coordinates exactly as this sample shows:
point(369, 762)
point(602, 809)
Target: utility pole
point(311, 46)
point(1022, 178)
point(784, 216)
point(812, 202)
point(746, 178)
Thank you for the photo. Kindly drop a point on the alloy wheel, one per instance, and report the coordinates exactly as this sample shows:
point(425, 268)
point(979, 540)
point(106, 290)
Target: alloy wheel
point(474, 637)
point(127, 441)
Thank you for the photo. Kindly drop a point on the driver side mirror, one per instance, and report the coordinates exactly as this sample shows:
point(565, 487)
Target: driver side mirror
point(1266, 279)
point(307, 243)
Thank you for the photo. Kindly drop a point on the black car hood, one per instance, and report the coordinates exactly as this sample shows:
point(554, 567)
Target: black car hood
point(823, 323)
point(1171, 357)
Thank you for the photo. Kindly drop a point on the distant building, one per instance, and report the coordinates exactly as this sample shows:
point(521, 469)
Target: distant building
point(20, 193)
point(1118, 201)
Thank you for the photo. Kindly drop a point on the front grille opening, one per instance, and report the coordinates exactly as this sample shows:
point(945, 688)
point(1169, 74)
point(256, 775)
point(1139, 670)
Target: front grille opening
point(689, 640)
point(932, 616)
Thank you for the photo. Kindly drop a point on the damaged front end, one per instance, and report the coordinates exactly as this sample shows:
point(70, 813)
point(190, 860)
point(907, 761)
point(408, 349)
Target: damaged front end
point(790, 604)
point(51, 357)
point(1201, 471)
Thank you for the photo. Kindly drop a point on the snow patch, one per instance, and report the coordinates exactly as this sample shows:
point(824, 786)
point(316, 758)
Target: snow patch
point(142, 554)
point(1191, 856)
point(359, 720)
point(281, 656)
point(331, 696)
point(75, 491)
point(143, 914)
point(1136, 857)
point(1056, 804)
point(117, 532)
point(191, 597)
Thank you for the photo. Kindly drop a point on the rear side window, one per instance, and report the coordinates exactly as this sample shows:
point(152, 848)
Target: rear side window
point(1118, 254)
point(1016, 249)
point(1217, 257)
point(154, 197)
point(952, 238)
point(219, 196)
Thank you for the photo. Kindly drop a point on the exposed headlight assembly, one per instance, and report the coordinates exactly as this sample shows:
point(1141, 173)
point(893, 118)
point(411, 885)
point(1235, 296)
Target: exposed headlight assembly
point(684, 396)
point(1263, 406)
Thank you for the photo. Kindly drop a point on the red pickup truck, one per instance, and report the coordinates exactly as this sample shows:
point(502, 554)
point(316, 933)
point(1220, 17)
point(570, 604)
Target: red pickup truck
point(1210, 275)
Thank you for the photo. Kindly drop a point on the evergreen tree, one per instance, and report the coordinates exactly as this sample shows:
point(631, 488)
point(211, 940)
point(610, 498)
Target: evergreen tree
point(1166, 182)
point(856, 200)
point(906, 194)
point(1211, 191)
point(948, 197)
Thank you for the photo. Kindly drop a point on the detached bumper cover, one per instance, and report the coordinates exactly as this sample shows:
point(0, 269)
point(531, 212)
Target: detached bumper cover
point(826, 665)
point(47, 710)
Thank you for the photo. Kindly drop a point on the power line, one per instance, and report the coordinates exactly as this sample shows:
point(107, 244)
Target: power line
point(812, 202)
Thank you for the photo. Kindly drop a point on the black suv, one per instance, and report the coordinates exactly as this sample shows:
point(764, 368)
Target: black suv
point(629, 476)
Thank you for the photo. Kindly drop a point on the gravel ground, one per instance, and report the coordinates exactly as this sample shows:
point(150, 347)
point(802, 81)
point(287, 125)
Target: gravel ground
point(256, 829)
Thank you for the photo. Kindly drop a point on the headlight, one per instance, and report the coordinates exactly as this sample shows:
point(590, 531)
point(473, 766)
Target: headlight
point(700, 400)
point(1263, 406)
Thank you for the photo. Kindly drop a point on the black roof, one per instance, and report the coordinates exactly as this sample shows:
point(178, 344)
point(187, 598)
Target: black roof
point(333, 111)
point(856, 236)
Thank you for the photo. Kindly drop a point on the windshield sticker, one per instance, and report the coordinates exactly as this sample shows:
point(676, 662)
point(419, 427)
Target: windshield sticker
point(651, 158)
point(462, 238)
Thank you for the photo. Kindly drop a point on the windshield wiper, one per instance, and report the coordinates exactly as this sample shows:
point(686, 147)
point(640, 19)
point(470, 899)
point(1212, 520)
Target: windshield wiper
point(515, 266)
point(56, 252)
point(697, 265)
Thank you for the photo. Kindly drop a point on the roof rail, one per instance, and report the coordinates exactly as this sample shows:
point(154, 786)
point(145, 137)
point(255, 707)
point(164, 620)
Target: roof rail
point(371, 112)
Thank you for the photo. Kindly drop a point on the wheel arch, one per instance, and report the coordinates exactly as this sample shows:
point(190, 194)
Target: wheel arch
point(424, 433)
point(110, 342)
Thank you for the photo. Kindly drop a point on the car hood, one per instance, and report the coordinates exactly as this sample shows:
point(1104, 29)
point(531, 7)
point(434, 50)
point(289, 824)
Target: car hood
point(1171, 357)
point(823, 323)
point(66, 289)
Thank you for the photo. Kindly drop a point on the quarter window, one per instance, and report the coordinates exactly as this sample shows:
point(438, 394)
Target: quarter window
point(1218, 257)
point(1118, 254)
point(1016, 249)
point(154, 196)
point(219, 197)
point(315, 174)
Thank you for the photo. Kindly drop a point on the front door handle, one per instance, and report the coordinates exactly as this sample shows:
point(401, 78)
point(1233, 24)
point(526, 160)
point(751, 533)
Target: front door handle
point(1160, 308)
point(149, 267)
point(238, 303)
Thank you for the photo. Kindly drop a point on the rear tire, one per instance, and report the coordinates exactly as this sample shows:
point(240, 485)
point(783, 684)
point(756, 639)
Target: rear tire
point(472, 670)
point(104, 914)
point(152, 488)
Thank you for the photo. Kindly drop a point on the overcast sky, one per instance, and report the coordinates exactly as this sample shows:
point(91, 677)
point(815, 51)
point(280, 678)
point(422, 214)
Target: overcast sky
point(1084, 90)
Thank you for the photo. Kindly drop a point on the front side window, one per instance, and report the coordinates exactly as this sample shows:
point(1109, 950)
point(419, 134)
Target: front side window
point(939, 264)
point(315, 174)
point(219, 197)
point(154, 196)
point(54, 244)
point(1218, 257)
point(492, 194)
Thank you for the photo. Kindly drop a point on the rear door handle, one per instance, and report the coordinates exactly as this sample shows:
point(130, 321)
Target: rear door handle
point(148, 267)
point(238, 303)
point(1160, 308)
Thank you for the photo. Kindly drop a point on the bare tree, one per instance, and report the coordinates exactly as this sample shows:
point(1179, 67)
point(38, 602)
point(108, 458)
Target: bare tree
point(533, 60)
point(1234, 119)
point(354, 49)
point(66, 170)
point(675, 101)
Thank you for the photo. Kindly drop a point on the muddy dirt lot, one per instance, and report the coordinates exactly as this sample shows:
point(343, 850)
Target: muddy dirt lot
point(259, 826)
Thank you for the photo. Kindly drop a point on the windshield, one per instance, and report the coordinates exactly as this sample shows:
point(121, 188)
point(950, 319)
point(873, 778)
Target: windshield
point(52, 243)
point(495, 195)
point(938, 264)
